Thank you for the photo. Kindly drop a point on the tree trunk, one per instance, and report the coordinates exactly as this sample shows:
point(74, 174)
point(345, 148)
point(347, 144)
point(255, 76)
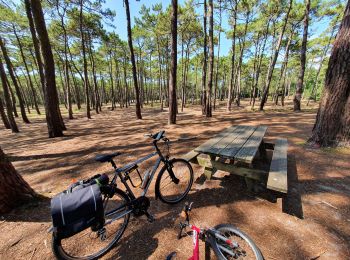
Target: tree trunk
point(282, 80)
point(86, 77)
point(93, 66)
point(14, 81)
point(132, 57)
point(325, 51)
point(35, 40)
point(204, 69)
point(66, 66)
point(274, 59)
point(14, 190)
point(260, 56)
point(8, 103)
point(231, 85)
point(173, 65)
point(218, 59)
point(27, 70)
point(299, 89)
point(53, 114)
point(4, 116)
point(333, 116)
point(208, 112)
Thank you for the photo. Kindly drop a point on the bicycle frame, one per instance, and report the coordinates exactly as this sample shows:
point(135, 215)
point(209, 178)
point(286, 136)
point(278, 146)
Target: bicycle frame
point(195, 238)
point(119, 173)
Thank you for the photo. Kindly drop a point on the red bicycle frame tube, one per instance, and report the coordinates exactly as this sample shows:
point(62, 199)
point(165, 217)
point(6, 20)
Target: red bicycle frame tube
point(195, 238)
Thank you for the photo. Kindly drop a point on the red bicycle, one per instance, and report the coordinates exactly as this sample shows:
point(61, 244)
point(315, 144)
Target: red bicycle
point(227, 241)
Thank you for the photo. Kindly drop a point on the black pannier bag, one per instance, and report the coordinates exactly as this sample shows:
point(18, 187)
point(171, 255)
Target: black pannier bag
point(76, 209)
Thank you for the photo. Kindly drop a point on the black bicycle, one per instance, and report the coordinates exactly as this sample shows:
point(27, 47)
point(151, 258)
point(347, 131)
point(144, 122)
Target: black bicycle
point(173, 183)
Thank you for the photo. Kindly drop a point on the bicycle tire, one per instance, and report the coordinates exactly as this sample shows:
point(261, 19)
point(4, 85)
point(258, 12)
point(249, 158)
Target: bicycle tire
point(161, 196)
point(227, 227)
point(60, 253)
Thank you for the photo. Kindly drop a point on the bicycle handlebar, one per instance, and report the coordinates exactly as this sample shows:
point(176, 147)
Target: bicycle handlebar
point(156, 136)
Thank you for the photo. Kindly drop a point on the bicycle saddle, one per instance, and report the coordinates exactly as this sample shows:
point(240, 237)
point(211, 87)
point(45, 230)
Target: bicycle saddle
point(106, 157)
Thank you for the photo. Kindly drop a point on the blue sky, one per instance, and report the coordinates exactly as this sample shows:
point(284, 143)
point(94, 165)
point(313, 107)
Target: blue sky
point(225, 46)
point(135, 7)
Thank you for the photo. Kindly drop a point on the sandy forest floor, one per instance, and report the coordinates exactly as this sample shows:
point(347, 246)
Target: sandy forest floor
point(313, 222)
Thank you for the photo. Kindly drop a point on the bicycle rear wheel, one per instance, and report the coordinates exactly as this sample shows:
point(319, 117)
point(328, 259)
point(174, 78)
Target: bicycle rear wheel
point(244, 247)
point(90, 244)
point(172, 187)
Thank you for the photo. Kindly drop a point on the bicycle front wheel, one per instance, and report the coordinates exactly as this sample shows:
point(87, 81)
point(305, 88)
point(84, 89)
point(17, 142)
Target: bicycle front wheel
point(241, 247)
point(90, 244)
point(174, 181)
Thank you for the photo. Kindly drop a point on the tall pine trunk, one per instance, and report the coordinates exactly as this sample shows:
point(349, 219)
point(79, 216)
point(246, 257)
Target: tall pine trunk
point(83, 49)
point(132, 57)
point(208, 112)
point(274, 59)
point(173, 65)
point(53, 113)
point(204, 68)
point(333, 116)
point(14, 81)
point(299, 88)
point(231, 85)
point(8, 102)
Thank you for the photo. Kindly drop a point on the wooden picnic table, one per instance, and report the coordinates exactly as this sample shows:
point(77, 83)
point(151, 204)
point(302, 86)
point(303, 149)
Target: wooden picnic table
point(234, 149)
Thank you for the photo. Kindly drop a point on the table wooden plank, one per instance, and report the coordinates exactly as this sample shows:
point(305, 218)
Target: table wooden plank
point(230, 150)
point(248, 151)
point(217, 147)
point(278, 170)
point(203, 147)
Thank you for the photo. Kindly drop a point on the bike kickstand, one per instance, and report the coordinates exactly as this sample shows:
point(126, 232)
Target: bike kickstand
point(150, 217)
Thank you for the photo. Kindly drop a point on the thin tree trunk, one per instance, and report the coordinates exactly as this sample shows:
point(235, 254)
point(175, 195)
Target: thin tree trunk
point(218, 59)
point(231, 85)
point(274, 59)
point(4, 116)
point(86, 77)
point(27, 71)
point(299, 89)
point(204, 69)
point(14, 81)
point(208, 112)
point(8, 103)
point(132, 57)
point(173, 65)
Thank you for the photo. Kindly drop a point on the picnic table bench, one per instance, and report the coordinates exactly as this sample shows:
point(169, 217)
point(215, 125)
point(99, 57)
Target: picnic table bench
point(234, 150)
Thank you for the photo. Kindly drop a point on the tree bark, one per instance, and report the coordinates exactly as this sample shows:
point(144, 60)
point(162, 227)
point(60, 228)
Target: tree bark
point(204, 69)
point(299, 88)
point(8, 103)
point(53, 114)
point(132, 57)
point(4, 116)
point(333, 116)
point(14, 190)
point(14, 81)
point(208, 111)
point(173, 65)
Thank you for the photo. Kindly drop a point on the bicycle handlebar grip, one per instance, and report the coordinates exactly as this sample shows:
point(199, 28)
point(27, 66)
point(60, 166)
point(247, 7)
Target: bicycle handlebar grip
point(160, 135)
